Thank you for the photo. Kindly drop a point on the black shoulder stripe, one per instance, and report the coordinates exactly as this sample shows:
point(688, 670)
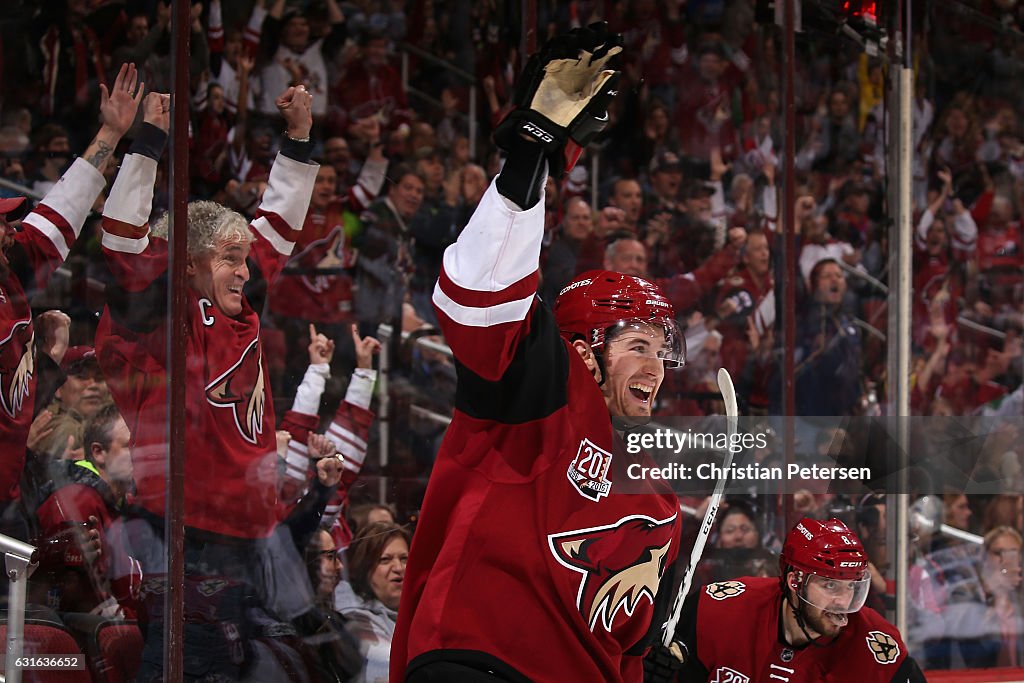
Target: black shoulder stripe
point(909, 672)
point(534, 384)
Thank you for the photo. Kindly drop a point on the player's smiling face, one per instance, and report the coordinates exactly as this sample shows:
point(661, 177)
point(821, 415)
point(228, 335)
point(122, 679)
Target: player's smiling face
point(634, 370)
point(219, 275)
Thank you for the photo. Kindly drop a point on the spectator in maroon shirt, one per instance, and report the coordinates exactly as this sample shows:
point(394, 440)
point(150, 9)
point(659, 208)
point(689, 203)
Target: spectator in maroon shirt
point(706, 88)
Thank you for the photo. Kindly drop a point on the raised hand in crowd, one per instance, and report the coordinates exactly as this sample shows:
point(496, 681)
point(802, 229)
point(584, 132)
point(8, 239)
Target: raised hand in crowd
point(737, 236)
point(283, 437)
point(163, 16)
point(609, 220)
point(118, 106)
point(52, 332)
point(328, 463)
point(366, 349)
point(366, 129)
point(40, 430)
point(246, 62)
point(321, 348)
point(156, 110)
point(296, 106)
point(718, 167)
point(946, 177)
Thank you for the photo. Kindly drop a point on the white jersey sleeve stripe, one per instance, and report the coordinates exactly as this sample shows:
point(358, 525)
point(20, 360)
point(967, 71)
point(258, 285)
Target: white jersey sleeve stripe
point(73, 195)
point(266, 230)
point(340, 433)
point(125, 245)
point(471, 316)
point(351, 453)
point(52, 233)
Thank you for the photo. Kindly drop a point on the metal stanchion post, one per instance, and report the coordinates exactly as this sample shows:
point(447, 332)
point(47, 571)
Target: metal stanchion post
point(19, 562)
point(384, 333)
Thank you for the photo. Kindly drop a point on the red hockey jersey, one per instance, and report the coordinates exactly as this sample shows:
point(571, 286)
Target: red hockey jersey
point(38, 249)
point(529, 558)
point(733, 630)
point(230, 452)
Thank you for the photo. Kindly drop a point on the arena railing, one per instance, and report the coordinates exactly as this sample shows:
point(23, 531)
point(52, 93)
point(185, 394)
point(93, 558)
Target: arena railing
point(385, 333)
point(20, 560)
point(464, 76)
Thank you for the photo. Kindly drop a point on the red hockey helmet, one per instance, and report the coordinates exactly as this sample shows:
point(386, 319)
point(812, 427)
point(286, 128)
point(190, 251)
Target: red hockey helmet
point(826, 548)
point(831, 564)
point(598, 302)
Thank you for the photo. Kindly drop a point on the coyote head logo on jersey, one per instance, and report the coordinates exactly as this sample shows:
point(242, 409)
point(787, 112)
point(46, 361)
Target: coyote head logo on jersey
point(621, 563)
point(17, 365)
point(242, 389)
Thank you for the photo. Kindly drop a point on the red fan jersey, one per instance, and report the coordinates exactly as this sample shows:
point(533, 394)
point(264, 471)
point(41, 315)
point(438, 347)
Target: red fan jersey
point(733, 633)
point(317, 285)
point(230, 452)
point(529, 557)
point(40, 246)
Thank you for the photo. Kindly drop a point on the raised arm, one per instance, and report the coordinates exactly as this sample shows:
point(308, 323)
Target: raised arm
point(489, 276)
point(928, 217)
point(53, 226)
point(286, 200)
point(133, 258)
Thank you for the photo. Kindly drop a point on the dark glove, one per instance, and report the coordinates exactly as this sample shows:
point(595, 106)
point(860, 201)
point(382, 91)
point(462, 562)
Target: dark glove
point(562, 96)
point(662, 664)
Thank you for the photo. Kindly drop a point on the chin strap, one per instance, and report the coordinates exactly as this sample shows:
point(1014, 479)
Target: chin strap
point(801, 618)
point(599, 359)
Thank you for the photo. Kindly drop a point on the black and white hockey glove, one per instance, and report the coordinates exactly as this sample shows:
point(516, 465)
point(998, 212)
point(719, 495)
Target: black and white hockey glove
point(562, 96)
point(662, 664)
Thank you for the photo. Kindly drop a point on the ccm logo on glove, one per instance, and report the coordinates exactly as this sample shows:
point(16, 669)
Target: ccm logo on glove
point(536, 132)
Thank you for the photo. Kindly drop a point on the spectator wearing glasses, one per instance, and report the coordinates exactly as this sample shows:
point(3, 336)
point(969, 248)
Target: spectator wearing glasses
point(1001, 576)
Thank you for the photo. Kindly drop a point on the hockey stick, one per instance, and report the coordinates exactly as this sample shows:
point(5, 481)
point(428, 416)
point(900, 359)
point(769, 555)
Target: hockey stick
point(732, 413)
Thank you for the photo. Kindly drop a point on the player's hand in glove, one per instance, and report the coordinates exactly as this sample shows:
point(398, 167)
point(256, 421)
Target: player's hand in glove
point(562, 96)
point(662, 664)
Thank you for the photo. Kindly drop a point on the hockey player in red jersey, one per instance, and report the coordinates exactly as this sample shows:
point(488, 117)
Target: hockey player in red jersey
point(27, 259)
point(534, 559)
point(231, 497)
point(808, 625)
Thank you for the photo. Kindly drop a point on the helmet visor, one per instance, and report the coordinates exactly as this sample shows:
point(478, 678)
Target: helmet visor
point(836, 595)
point(661, 339)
